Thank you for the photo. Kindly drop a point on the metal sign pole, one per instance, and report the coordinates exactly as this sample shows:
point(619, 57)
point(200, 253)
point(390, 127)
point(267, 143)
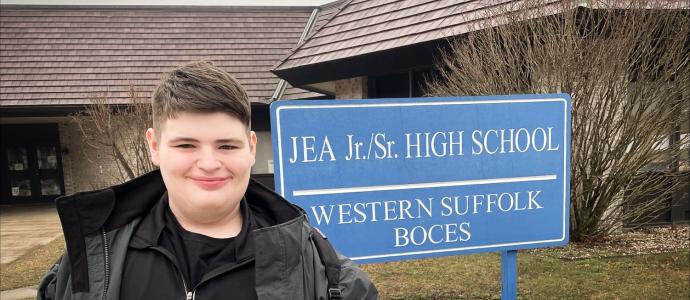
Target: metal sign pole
point(509, 275)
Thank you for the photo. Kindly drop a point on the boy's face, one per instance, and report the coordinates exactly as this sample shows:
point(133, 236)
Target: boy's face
point(205, 160)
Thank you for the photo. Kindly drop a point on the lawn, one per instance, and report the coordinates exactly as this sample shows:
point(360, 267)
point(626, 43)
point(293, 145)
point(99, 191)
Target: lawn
point(647, 276)
point(28, 269)
point(543, 274)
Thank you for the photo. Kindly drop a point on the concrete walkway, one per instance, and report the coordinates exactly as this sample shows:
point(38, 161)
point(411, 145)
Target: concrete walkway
point(19, 294)
point(23, 228)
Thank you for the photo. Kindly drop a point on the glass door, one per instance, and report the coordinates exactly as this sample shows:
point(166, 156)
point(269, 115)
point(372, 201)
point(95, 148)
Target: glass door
point(48, 176)
point(19, 171)
point(31, 165)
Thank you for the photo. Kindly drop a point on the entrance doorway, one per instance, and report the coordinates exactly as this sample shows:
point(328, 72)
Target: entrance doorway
point(31, 164)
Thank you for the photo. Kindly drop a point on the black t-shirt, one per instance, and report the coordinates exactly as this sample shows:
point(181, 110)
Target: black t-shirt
point(196, 252)
point(164, 261)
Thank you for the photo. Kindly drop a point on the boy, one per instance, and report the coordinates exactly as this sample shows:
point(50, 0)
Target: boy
point(199, 227)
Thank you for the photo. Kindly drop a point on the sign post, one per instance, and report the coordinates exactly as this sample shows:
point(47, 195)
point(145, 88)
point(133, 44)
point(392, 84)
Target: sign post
point(392, 179)
point(509, 274)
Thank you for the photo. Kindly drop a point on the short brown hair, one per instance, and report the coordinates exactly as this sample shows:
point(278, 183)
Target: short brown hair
point(199, 87)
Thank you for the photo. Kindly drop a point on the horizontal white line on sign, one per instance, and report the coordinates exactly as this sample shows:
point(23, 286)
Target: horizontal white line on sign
point(395, 187)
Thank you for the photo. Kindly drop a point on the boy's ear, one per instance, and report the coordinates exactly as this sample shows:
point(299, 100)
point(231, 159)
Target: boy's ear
point(252, 145)
point(153, 146)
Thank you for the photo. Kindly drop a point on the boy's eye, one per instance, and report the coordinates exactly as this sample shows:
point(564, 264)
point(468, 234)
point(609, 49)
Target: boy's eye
point(185, 146)
point(227, 147)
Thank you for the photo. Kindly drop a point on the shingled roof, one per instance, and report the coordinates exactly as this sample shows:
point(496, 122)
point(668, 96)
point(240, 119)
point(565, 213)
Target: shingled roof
point(365, 27)
point(61, 55)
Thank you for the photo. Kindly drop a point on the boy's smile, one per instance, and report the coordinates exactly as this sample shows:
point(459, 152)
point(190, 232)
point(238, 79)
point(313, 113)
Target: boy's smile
point(210, 183)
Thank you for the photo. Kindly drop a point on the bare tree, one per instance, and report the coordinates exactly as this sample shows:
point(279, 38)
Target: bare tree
point(116, 131)
point(627, 70)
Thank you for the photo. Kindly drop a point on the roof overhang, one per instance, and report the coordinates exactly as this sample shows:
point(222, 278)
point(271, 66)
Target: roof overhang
point(395, 60)
point(23, 111)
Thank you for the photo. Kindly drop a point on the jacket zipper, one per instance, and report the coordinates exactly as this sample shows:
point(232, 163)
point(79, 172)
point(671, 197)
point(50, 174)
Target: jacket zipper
point(190, 295)
point(107, 264)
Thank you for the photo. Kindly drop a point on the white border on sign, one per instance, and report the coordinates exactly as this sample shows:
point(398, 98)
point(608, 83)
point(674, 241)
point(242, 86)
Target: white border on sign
point(404, 104)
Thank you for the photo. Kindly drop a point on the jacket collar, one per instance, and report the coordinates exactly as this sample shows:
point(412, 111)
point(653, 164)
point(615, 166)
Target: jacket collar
point(149, 231)
point(87, 213)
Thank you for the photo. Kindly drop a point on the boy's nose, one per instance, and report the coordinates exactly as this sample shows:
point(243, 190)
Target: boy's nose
point(208, 161)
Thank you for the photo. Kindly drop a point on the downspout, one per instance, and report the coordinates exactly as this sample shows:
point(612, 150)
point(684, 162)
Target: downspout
point(280, 88)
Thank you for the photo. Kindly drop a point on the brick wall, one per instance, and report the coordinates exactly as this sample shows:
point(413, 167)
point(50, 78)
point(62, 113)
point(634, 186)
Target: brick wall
point(66, 136)
point(351, 88)
point(84, 168)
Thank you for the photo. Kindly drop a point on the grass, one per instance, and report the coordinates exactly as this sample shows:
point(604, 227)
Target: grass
point(28, 269)
point(648, 276)
point(542, 275)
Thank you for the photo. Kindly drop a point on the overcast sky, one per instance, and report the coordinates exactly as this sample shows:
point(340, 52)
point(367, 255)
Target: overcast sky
point(174, 2)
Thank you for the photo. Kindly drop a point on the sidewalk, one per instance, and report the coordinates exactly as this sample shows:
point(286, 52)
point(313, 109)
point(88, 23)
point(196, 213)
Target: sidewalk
point(19, 294)
point(23, 228)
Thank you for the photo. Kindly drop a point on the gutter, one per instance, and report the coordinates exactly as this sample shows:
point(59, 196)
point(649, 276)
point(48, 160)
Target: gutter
point(280, 88)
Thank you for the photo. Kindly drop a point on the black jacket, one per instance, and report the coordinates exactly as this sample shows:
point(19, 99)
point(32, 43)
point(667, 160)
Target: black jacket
point(99, 225)
point(213, 270)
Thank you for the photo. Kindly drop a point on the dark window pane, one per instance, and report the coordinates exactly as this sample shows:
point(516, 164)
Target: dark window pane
point(16, 159)
point(391, 86)
point(20, 188)
point(50, 186)
point(47, 158)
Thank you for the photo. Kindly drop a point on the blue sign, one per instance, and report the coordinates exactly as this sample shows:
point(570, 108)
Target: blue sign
point(392, 179)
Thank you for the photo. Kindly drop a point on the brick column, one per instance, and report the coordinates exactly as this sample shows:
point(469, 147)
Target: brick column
point(351, 88)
